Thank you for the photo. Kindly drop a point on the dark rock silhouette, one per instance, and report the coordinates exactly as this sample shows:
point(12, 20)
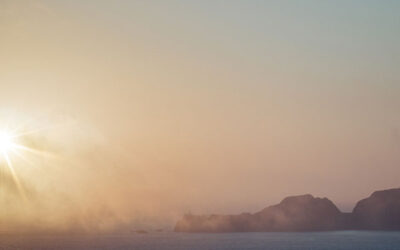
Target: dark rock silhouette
point(299, 213)
point(381, 211)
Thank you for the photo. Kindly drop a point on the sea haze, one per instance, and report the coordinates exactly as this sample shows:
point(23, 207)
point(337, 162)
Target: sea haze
point(339, 240)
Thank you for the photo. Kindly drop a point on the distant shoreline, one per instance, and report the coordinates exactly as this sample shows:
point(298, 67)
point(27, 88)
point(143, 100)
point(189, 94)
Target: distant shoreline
point(305, 213)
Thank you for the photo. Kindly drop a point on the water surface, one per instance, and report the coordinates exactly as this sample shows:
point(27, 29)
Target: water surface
point(341, 240)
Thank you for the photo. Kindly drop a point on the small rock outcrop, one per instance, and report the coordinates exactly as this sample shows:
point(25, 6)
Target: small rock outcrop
point(381, 211)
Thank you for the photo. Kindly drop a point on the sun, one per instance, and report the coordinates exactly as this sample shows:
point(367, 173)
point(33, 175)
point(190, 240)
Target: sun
point(9, 146)
point(14, 153)
point(7, 143)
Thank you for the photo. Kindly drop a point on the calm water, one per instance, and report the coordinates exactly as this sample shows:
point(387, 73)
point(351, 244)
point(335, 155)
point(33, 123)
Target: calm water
point(353, 240)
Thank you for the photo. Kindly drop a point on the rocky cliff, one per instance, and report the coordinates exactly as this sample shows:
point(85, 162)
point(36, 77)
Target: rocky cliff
point(381, 211)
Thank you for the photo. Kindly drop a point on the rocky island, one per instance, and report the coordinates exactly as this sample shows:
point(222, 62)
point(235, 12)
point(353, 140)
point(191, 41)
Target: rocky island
point(380, 211)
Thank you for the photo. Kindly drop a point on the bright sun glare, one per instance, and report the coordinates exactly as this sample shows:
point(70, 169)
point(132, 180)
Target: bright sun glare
point(6, 142)
point(9, 146)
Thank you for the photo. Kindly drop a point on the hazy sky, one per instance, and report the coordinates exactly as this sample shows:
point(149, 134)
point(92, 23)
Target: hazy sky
point(205, 106)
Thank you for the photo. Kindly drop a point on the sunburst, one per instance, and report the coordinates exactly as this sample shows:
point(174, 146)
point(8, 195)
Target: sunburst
point(6, 142)
point(10, 147)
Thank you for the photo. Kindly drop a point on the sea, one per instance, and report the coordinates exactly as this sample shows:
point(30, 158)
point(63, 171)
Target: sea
point(340, 240)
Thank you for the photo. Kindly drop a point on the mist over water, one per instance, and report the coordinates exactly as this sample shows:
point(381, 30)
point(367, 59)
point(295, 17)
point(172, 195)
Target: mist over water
point(74, 182)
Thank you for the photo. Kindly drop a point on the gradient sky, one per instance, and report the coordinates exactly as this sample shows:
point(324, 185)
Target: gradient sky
point(210, 106)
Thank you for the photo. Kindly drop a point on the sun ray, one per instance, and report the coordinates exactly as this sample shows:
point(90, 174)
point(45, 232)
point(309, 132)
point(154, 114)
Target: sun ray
point(14, 175)
point(35, 151)
point(30, 132)
point(10, 145)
